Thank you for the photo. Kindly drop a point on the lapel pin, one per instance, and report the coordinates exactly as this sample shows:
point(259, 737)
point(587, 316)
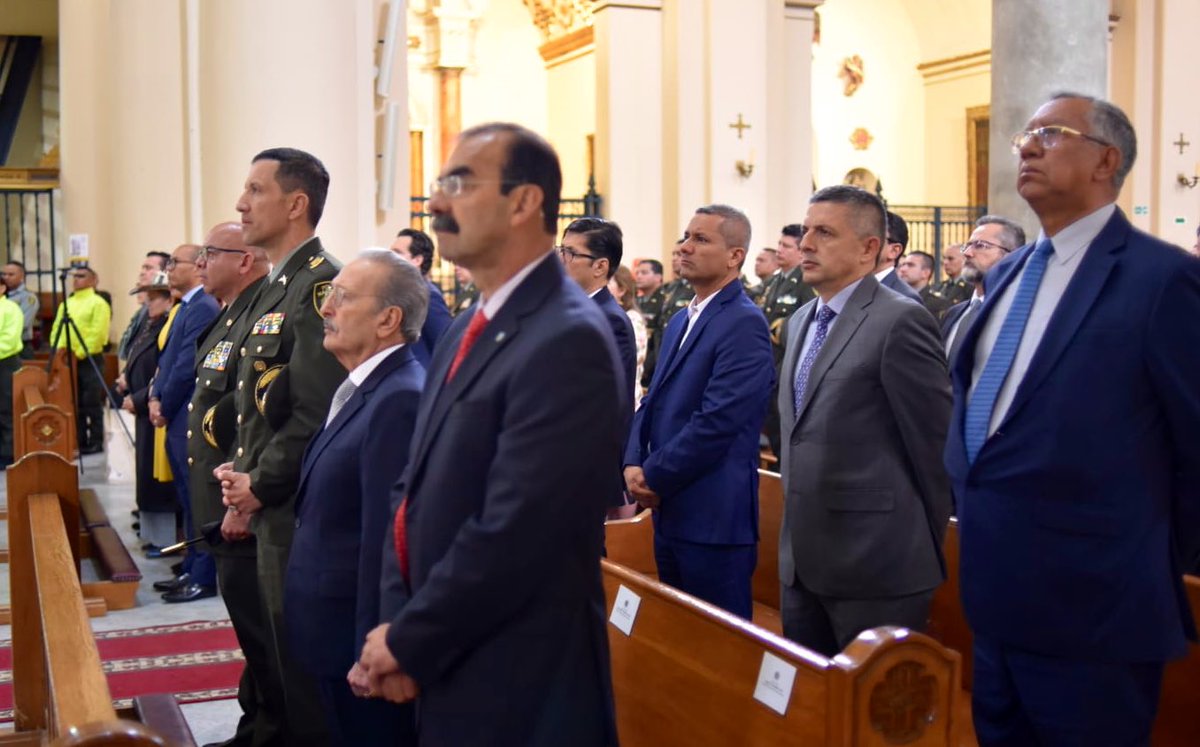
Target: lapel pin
point(500, 337)
point(283, 279)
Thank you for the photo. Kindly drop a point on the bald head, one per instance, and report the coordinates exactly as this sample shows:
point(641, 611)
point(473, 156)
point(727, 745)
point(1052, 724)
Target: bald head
point(226, 265)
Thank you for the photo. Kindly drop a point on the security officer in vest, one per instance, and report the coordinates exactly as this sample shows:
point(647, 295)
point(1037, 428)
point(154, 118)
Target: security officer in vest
point(281, 206)
point(92, 315)
point(232, 273)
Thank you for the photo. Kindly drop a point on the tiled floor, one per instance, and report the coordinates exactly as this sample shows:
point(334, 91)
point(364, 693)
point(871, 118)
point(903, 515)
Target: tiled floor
point(211, 721)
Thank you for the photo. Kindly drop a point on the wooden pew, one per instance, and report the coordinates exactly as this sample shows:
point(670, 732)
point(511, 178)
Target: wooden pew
point(687, 674)
point(630, 542)
point(40, 420)
point(59, 688)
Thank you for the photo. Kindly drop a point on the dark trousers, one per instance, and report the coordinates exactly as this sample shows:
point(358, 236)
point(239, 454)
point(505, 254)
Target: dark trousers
point(8, 367)
point(1021, 699)
point(306, 723)
point(198, 563)
point(718, 574)
point(827, 624)
point(259, 692)
point(364, 722)
point(90, 427)
point(26, 353)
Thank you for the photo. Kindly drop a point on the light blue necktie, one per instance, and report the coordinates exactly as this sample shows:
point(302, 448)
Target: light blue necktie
point(1004, 352)
point(824, 318)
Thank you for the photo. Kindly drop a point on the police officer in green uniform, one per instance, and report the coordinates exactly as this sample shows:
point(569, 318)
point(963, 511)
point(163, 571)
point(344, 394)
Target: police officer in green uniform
point(286, 372)
point(786, 293)
point(232, 273)
point(648, 277)
point(766, 268)
point(954, 288)
point(916, 269)
point(467, 292)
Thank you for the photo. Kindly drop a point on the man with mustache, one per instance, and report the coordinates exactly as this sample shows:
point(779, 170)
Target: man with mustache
point(993, 239)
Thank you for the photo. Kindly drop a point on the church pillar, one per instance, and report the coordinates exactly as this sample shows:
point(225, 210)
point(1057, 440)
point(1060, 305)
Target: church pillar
point(629, 121)
point(789, 117)
point(1038, 48)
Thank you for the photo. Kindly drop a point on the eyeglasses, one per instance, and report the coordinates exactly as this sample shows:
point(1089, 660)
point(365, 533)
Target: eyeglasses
point(455, 184)
point(338, 296)
point(172, 263)
point(1050, 137)
point(979, 244)
point(207, 252)
point(569, 254)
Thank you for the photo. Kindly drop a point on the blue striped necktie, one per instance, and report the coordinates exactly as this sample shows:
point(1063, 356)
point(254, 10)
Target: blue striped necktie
point(1004, 352)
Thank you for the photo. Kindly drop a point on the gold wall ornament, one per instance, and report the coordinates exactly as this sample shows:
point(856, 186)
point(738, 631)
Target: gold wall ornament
point(851, 74)
point(861, 138)
point(555, 18)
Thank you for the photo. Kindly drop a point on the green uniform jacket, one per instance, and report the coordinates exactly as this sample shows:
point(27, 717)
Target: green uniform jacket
point(217, 357)
point(286, 330)
point(786, 294)
point(956, 291)
point(467, 295)
point(937, 303)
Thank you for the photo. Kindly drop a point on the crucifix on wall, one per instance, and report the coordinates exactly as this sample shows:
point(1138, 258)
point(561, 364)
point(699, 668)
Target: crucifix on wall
point(739, 125)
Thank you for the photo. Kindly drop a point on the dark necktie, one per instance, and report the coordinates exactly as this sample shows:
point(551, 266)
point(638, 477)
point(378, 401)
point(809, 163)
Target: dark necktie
point(1004, 352)
point(824, 318)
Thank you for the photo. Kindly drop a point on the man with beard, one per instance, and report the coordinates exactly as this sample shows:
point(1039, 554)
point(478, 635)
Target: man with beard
point(993, 239)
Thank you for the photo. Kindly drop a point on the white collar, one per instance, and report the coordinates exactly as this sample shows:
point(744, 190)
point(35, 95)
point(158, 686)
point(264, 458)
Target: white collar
point(491, 305)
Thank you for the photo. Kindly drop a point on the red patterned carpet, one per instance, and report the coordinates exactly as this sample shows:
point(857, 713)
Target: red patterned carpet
point(196, 661)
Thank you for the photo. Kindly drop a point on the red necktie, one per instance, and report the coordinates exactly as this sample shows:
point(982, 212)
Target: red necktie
point(474, 329)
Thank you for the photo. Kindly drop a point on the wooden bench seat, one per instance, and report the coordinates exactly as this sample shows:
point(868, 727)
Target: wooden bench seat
point(160, 711)
point(687, 674)
point(91, 509)
point(117, 568)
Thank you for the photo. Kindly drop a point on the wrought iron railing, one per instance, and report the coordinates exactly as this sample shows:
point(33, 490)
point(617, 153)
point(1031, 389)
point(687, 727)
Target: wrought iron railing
point(29, 220)
point(932, 228)
point(442, 272)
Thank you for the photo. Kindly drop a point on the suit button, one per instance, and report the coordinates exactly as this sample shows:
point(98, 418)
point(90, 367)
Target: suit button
point(243, 351)
point(241, 451)
point(258, 349)
point(240, 384)
point(239, 419)
point(190, 460)
point(197, 379)
point(191, 407)
point(208, 382)
point(189, 433)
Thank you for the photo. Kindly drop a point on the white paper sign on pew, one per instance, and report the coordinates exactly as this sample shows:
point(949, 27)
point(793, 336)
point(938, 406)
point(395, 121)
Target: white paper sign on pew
point(775, 680)
point(625, 610)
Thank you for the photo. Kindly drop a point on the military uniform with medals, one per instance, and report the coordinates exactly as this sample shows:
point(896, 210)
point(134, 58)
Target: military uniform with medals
point(955, 291)
point(286, 380)
point(935, 302)
point(676, 295)
point(786, 294)
point(211, 433)
point(467, 295)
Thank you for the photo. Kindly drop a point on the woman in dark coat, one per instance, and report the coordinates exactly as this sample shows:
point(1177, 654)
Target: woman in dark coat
point(156, 500)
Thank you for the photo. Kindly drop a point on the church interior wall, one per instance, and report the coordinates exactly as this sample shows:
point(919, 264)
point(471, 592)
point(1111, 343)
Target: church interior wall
point(1175, 216)
point(946, 102)
point(571, 114)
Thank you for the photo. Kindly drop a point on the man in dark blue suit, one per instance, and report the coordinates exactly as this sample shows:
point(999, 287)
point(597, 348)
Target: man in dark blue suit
point(169, 396)
point(693, 452)
point(416, 247)
point(894, 245)
point(331, 595)
point(1072, 451)
point(591, 252)
point(499, 534)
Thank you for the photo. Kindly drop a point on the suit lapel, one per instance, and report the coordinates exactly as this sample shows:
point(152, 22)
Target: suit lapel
point(1076, 301)
point(716, 306)
point(846, 324)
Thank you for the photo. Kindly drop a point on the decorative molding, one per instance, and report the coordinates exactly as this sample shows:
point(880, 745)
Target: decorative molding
point(558, 18)
point(802, 4)
point(861, 138)
point(851, 74)
point(980, 61)
point(555, 50)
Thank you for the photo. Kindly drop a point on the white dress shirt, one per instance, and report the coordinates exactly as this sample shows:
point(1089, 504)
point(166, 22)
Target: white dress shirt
point(695, 308)
point(976, 300)
point(490, 305)
point(837, 303)
point(1069, 249)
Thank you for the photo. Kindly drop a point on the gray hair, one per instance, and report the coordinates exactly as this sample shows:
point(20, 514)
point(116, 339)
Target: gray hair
point(735, 226)
point(1013, 235)
point(1111, 125)
point(400, 284)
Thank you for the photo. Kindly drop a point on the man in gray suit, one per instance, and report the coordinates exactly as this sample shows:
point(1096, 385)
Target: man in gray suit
point(864, 399)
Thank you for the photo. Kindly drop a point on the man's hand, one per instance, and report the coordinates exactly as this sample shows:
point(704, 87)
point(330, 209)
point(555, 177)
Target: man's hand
point(360, 684)
point(127, 404)
point(376, 658)
point(235, 527)
point(399, 688)
point(235, 491)
point(156, 417)
point(635, 483)
point(122, 384)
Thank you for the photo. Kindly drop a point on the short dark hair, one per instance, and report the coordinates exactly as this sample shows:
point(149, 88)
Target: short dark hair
point(897, 230)
point(869, 218)
point(1110, 124)
point(795, 230)
point(1013, 236)
point(300, 171)
point(16, 263)
point(162, 258)
point(654, 265)
point(530, 160)
point(603, 239)
point(420, 248)
point(735, 226)
point(926, 259)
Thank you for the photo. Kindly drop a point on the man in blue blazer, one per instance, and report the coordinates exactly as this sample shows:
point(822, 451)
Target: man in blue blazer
point(894, 245)
point(693, 451)
point(499, 532)
point(1072, 450)
point(331, 595)
point(416, 247)
point(169, 396)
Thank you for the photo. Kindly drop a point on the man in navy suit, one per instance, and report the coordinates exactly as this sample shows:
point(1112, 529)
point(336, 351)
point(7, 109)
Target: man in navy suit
point(416, 247)
point(499, 534)
point(895, 242)
point(1072, 450)
point(693, 451)
point(169, 396)
point(591, 253)
point(331, 595)
point(993, 239)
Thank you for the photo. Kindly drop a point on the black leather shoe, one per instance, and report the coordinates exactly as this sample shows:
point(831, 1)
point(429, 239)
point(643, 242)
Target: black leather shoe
point(189, 593)
point(173, 584)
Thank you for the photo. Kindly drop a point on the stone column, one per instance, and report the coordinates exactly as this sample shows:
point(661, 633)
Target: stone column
point(789, 118)
point(1038, 48)
point(629, 120)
